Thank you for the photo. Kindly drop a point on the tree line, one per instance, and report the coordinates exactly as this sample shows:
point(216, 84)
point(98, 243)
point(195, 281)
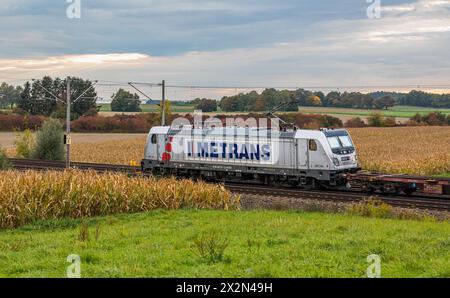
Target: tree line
point(271, 98)
point(34, 100)
point(417, 98)
point(38, 98)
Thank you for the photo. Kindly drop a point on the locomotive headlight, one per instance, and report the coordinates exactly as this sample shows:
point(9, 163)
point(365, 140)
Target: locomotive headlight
point(336, 161)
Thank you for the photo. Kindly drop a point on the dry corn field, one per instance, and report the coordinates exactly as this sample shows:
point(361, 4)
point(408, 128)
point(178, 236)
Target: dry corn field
point(409, 150)
point(29, 196)
point(110, 152)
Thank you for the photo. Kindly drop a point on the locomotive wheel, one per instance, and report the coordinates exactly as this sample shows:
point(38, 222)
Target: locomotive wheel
point(408, 191)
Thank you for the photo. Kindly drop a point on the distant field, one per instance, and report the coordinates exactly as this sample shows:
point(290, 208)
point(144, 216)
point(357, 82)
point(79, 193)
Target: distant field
point(410, 150)
point(402, 113)
point(258, 244)
point(150, 108)
point(397, 111)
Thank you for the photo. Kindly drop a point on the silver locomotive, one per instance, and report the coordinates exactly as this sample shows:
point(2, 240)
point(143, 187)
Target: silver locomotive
point(304, 158)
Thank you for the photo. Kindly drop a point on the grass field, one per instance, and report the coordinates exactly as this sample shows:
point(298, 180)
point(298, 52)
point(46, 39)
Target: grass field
point(397, 111)
point(259, 244)
point(150, 108)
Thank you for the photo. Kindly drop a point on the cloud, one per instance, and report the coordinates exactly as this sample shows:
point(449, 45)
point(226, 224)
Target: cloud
point(233, 42)
point(68, 62)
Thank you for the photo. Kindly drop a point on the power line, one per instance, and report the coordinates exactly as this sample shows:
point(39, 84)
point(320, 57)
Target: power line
point(419, 86)
point(108, 83)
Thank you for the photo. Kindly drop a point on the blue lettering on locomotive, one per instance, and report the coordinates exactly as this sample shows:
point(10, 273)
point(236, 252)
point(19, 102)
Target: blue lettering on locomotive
point(266, 150)
point(230, 150)
point(254, 152)
point(203, 150)
point(213, 150)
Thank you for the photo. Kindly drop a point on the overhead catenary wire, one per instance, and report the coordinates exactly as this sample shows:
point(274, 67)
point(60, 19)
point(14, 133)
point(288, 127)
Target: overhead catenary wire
point(380, 87)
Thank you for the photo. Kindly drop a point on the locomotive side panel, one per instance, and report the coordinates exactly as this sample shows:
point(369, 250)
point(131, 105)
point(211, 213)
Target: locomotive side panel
point(238, 151)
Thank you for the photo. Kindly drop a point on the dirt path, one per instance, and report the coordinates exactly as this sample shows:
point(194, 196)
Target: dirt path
point(7, 138)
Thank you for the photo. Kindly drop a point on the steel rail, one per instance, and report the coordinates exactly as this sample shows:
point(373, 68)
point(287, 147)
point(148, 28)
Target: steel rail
point(347, 197)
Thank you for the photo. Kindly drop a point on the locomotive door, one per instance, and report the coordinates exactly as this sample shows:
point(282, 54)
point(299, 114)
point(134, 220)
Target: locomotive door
point(152, 147)
point(317, 158)
point(161, 143)
point(302, 153)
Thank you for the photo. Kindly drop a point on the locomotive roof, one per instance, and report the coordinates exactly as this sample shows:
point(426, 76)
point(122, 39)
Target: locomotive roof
point(247, 132)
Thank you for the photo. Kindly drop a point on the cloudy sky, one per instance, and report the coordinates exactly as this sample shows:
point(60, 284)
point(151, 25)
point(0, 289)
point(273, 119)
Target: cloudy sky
point(321, 44)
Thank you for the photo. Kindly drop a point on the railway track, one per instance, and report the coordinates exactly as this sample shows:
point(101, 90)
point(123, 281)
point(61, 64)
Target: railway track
point(29, 164)
point(340, 196)
point(428, 203)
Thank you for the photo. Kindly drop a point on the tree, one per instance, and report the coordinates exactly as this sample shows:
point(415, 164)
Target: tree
point(49, 142)
point(9, 95)
point(229, 103)
point(36, 100)
point(314, 100)
point(25, 103)
point(384, 102)
point(125, 101)
point(332, 98)
point(167, 110)
point(206, 105)
point(87, 103)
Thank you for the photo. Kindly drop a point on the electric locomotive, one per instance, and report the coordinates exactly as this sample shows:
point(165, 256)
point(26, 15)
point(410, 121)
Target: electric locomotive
point(296, 157)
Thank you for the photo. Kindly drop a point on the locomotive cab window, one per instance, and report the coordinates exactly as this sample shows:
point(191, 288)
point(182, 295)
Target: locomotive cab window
point(312, 145)
point(153, 140)
point(340, 142)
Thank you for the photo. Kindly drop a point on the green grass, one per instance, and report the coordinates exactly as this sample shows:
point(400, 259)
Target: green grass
point(397, 111)
point(260, 244)
point(150, 108)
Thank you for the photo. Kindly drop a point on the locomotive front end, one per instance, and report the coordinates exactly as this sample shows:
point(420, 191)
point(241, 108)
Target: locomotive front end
point(342, 150)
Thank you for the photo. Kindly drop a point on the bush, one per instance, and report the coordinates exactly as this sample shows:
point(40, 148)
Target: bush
point(117, 123)
point(210, 247)
point(355, 122)
point(433, 119)
point(49, 142)
point(389, 122)
point(371, 207)
point(376, 120)
point(10, 122)
point(312, 121)
point(24, 144)
point(4, 161)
